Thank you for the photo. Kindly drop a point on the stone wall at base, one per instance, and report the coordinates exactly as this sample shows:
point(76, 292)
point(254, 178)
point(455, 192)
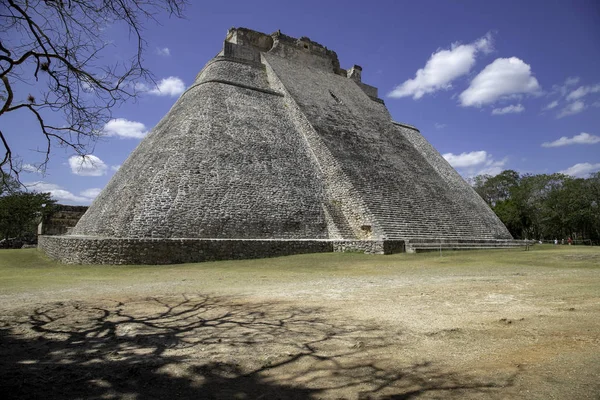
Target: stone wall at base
point(368, 246)
point(101, 250)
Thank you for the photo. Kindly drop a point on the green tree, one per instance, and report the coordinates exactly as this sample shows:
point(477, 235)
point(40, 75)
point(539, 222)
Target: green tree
point(20, 213)
point(544, 205)
point(8, 184)
point(502, 194)
point(494, 189)
point(593, 190)
point(510, 214)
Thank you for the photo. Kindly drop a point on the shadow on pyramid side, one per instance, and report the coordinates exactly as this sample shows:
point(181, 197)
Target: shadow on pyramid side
point(276, 150)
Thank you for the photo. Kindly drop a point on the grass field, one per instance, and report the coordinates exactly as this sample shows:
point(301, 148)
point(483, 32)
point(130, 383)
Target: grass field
point(28, 269)
point(478, 324)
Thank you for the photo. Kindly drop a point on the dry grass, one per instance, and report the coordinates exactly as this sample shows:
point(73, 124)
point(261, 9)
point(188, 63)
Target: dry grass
point(479, 324)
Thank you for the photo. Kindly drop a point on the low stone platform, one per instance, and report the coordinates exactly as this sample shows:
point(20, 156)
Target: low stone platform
point(419, 245)
point(73, 249)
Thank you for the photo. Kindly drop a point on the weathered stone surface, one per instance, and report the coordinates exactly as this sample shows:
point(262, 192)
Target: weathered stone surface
point(103, 250)
point(275, 141)
point(62, 219)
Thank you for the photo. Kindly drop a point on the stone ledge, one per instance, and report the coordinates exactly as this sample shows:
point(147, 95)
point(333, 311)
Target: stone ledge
point(419, 245)
point(232, 59)
point(241, 85)
point(414, 128)
point(377, 99)
point(73, 249)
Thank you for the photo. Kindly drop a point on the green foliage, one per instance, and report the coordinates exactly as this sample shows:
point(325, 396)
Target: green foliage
point(20, 212)
point(544, 206)
point(498, 188)
point(8, 184)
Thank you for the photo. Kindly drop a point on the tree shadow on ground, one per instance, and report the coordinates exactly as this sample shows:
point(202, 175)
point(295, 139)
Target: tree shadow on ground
point(207, 347)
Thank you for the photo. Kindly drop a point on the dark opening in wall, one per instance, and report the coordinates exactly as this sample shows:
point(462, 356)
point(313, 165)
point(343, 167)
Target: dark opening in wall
point(335, 97)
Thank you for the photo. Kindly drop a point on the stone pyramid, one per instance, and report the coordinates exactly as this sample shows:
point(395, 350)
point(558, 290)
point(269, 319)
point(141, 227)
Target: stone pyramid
point(274, 150)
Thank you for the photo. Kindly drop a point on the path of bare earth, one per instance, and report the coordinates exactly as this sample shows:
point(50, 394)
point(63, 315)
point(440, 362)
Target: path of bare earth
point(506, 324)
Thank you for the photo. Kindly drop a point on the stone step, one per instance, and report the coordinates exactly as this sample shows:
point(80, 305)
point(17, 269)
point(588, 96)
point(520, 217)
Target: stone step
point(464, 240)
point(391, 212)
point(424, 250)
point(466, 245)
point(418, 245)
point(340, 222)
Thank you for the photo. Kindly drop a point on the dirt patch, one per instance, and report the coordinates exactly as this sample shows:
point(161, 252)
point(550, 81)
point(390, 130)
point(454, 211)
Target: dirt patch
point(189, 345)
point(389, 333)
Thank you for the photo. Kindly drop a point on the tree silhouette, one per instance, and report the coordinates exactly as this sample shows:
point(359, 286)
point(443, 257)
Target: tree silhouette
point(59, 45)
point(203, 347)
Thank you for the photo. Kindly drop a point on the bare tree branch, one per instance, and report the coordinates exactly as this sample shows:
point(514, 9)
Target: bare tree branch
point(57, 45)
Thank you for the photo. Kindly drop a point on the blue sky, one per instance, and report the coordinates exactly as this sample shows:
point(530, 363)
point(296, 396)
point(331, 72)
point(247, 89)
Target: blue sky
point(493, 85)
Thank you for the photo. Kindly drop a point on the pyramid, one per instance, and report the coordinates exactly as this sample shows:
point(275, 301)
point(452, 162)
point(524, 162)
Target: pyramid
point(275, 149)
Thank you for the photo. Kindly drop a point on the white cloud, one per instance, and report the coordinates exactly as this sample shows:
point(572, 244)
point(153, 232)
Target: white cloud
point(492, 168)
point(582, 91)
point(91, 193)
point(571, 80)
point(31, 169)
point(61, 195)
point(564, 88)
point(124, 128)
point(437, 125)
point(442, 68)
point(578, 93)
point(571, 109)
point(475, 163)
point(164, 51)
point(512, 109)
point(171, 86)
point(115, 167)
point(466, 159)
point(576, 96)
point(88, 165)
point(552, 105)
point(582, 138)
point(503, 78)
point(581, 170)
point(87, 88)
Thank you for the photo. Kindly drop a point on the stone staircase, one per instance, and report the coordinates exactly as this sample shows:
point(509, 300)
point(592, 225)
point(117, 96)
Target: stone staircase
point(399, 219)
point(419, 245)
point(340, 221)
